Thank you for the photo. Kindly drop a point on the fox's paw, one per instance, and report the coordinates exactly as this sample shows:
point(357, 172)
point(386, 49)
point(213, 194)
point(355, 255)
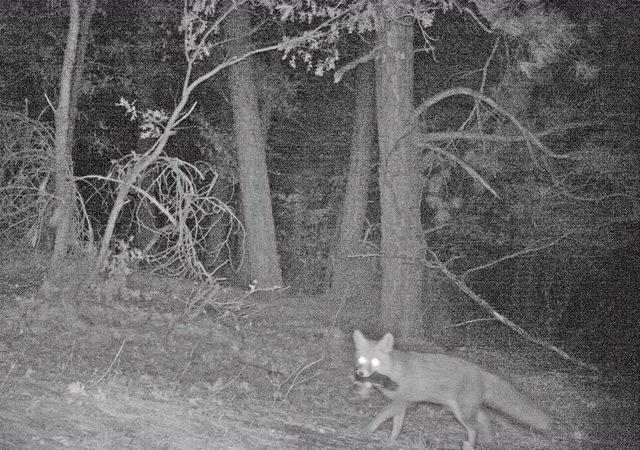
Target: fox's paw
point(467, 446)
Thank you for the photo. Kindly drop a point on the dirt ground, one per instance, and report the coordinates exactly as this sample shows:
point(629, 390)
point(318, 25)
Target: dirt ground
point(146, 370)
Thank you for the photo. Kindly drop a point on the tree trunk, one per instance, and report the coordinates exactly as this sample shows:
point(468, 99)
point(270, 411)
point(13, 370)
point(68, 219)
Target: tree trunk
point(252, 166)
point(65, 192)
point(399, 175)
point(346, 271)
point(78, 72)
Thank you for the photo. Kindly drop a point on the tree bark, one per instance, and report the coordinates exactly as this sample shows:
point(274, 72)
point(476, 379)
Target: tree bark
point(399, 175)
point(252, 166)
point(65, 192)
point(351, 223)
point(78, 72)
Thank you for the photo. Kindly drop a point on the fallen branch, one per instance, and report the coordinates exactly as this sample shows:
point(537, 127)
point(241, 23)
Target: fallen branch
point(111, 365)
point(517, 254)
point(483, 303)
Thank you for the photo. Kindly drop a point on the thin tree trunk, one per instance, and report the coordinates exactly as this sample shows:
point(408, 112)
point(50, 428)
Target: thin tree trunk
point(399, 175)
point(78, 73)
point(65, 192)
point(354, 207)
point(252, 166)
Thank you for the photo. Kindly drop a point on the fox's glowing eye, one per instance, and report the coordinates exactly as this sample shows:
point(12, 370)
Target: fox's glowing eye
point(362, 360)
point(375, 362)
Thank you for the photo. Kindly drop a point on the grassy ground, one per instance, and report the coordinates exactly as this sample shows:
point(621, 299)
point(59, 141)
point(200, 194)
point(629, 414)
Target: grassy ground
point(143, 370)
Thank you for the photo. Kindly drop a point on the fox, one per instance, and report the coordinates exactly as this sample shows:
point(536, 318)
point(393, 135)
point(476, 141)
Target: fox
point(460, 386)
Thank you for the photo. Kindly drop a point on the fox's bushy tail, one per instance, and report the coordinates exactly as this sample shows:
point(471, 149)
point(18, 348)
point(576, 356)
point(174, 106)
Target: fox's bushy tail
point(503, 397)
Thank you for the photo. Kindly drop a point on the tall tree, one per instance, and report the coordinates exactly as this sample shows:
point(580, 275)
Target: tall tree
point(71, 77)
point(87, 10)
point(399, 173)
point(252, 165)
point(65, 192)
point(351, 222)
point(201, 23)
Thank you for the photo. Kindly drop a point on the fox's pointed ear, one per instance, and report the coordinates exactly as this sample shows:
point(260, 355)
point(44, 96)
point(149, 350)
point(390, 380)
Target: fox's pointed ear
point(358, 338)
point(386, 343)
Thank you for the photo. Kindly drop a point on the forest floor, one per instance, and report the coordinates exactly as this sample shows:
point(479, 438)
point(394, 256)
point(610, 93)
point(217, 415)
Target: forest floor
point(272, 370)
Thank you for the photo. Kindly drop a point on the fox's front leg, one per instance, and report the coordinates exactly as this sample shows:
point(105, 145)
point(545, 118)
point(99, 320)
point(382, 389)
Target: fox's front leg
point(398, 420)
point(395, 409)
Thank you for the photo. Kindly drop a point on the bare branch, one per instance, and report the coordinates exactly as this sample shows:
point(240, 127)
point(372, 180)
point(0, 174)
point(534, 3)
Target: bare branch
point(337, 76)
point(517, 254)
point(470, 170)
point(484, 304)
point(477, 20)
point(138, 189)
point(420, 138)
point(530, 137)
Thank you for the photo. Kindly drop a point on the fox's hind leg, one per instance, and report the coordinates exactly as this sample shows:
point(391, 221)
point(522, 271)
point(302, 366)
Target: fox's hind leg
point(484, 428)
point(468, 415)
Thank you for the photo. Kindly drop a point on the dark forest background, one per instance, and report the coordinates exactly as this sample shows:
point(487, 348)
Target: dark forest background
point(557, 250)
